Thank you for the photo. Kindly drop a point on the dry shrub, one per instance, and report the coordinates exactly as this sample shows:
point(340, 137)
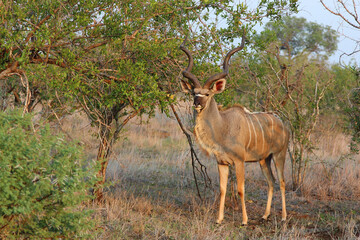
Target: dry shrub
point(333, 182)
point(333, 171)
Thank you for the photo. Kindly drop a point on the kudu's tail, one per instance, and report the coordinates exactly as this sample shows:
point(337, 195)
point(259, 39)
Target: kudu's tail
point(268, 164)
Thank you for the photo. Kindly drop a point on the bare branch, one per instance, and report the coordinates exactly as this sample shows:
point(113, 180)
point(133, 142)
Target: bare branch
point(341, 15)
point(349, 12)
point(194, 157)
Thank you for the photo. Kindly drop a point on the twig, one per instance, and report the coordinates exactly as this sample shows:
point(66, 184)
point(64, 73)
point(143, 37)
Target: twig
point(194, 157)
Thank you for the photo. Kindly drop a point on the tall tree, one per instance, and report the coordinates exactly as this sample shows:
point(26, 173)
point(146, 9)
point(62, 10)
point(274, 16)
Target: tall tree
point(299, 37)
point(114, 59)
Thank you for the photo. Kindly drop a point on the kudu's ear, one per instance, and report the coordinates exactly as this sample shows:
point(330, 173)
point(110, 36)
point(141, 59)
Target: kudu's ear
point(219, 86)
point(186, 87)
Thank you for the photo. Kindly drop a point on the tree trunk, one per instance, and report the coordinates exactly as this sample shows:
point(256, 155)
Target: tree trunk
point(107, 139)
point(103, 159)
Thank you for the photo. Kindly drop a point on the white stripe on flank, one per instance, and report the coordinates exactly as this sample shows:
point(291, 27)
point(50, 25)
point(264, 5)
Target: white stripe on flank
point(247, 147)
point(283, 128)
point(254, 131)
point(272, 126)
point(262, 131)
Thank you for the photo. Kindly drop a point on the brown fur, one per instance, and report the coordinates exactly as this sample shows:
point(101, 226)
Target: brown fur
point(236, 105)
point(235, 136)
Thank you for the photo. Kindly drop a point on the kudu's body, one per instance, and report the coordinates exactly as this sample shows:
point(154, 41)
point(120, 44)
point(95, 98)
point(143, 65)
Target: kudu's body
point(236, 136)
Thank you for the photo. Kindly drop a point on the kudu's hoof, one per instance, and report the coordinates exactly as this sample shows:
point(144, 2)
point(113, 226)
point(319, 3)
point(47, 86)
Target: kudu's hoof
point(263, 220)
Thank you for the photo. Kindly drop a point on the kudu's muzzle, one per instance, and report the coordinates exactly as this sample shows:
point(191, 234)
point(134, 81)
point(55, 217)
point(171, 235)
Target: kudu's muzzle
point(199, 102)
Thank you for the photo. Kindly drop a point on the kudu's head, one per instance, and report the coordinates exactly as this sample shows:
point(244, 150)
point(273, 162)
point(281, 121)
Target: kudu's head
point(213, 85)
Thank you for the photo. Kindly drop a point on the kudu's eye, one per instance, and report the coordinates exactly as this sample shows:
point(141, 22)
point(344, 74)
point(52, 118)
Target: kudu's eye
point(207, 94)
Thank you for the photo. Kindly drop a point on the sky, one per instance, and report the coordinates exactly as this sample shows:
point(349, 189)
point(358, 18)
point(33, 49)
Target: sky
point(313, 10)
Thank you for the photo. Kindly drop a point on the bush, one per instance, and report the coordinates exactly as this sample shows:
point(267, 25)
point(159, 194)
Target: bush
point(43, 182)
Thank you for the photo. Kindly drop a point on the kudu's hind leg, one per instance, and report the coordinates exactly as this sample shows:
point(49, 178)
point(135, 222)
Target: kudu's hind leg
point(223, 175)
point(240, 177)
point(279, 160)
point(266, 169)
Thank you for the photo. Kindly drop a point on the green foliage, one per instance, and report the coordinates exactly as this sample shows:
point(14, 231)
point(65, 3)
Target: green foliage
point(43, 182)
point(337, 97)
point(93, 44)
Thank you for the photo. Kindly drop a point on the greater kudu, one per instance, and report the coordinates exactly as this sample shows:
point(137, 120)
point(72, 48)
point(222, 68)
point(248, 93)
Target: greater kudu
point(236, 135)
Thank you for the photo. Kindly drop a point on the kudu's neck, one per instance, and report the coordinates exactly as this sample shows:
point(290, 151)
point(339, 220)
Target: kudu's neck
point(210, 114)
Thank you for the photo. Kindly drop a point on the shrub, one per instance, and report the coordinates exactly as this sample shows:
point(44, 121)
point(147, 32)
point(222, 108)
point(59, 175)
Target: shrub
point(43, 182)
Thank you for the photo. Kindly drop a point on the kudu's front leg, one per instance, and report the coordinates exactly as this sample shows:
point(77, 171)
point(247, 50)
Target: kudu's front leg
point(223, 175)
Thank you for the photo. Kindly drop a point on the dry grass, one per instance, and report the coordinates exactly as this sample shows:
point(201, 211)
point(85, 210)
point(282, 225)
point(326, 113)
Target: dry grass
point(334, 172)
point(154, 196)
